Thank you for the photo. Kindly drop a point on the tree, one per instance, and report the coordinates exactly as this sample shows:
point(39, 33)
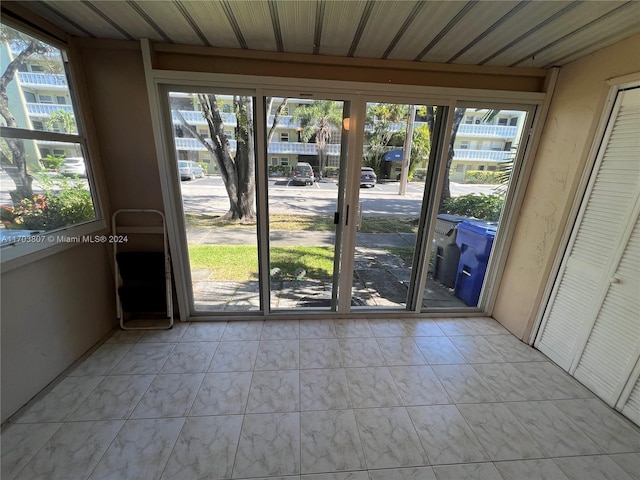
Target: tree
point(317, 120)
point(458, 115)
point(237, 172)
point(13, 157)
point(65, 119)
point(276, 117)
point(381, 131)
point(420, 148)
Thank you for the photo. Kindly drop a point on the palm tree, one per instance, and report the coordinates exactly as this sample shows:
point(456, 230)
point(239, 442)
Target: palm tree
point(318, 120)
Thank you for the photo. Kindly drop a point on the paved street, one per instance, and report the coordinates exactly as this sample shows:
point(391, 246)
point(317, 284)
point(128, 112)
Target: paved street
point(208, 195)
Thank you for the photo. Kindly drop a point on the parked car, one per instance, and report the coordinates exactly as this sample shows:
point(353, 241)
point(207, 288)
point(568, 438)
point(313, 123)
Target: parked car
point(368, 177)
point(302, 173)
point(73, 166)
point(190, 170)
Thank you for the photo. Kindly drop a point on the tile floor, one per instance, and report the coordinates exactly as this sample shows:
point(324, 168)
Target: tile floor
point(448, 399)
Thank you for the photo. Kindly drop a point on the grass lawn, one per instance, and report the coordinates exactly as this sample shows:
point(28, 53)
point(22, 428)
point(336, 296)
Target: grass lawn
point(239, 263)
point(321, 223)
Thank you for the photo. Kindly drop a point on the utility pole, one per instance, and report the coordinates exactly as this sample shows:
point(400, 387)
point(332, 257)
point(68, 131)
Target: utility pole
point(406, 151)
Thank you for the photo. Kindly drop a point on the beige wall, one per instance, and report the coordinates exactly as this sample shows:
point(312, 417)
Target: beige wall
point(53, 311)
point(119, 103)
point(573, 117)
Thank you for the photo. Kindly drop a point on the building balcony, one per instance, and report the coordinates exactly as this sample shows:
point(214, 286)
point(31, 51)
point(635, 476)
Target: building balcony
point(50, 81)
point(286, 121)
point(298, 148)
point(46, 109)
point(282, 148)
point(482, 155)
point(195, 118)
point(487, 131)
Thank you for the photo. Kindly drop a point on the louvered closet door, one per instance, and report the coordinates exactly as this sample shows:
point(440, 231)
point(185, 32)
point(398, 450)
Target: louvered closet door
point(611, 350)
point(591, 325)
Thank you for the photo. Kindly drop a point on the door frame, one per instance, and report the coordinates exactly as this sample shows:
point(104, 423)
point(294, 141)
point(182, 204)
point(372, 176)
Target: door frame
point(355, 92)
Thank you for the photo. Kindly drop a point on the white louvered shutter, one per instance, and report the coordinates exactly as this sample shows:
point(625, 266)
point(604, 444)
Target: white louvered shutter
point(611, 351)
point(591, 325)
point(631, 408)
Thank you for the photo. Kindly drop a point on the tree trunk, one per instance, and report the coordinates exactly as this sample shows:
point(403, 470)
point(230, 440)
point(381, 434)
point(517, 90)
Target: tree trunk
point(276, 118)
point(458, 115)
point(16, 167)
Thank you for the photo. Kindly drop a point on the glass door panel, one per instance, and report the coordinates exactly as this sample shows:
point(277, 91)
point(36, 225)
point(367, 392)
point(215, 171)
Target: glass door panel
point(305, 163)
point(215, 165)
point(482, 150)
point(392, 187)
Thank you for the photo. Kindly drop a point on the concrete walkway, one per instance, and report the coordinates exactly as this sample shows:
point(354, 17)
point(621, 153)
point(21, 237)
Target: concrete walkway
point(225, 236)
point(380, 278)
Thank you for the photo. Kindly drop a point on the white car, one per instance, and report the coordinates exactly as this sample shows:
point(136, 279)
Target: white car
point(190, 170)
point(73, 166)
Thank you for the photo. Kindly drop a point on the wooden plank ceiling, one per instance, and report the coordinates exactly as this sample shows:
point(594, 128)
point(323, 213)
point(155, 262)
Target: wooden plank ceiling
point(501, 33)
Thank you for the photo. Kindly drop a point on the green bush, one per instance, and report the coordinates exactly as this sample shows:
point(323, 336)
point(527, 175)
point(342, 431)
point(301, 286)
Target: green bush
point(70, 205)
point(279, 170)
point(331, 172)
point(51, 162)
point(482, 176)
point(420, 174)
point(480, 206)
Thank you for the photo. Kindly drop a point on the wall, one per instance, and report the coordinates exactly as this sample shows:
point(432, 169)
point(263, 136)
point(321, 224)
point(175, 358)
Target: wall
point(115, 80)
point(573, 117)
point(53, 311)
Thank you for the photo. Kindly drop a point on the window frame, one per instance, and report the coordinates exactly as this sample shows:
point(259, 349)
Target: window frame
point(17, 253)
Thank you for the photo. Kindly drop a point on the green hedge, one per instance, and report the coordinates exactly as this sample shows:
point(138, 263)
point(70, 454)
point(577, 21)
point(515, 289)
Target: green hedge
point(482, 176)
point(480, 206)
point(279, 170)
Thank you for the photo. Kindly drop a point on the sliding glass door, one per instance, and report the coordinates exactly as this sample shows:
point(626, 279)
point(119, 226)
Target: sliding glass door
point(214, 166)
point(307, 161)
point(328, 203)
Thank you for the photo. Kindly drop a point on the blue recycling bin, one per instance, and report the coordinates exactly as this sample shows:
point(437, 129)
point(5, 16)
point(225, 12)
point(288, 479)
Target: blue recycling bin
point(475, 239)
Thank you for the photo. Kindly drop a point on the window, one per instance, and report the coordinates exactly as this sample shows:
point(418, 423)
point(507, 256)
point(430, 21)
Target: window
point(481, 167)
point(492, 168)
point(61, 100)
point(464, 144)
point(502, 121)
point(468, 120)
point(284, 137)
point(61, 198)
point(284, 161)
point(497, 146)
point(274, 161)
point(513, 122)
point(459, 167)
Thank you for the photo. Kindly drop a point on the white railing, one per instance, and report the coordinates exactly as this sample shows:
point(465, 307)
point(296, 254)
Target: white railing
point(193, 144)
point(298, 148)
point(286, 121)
point(488, 155)
point(46, 109)
point(195, 118)
point(497, 131)
point(293, 148)
point(43, 79)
